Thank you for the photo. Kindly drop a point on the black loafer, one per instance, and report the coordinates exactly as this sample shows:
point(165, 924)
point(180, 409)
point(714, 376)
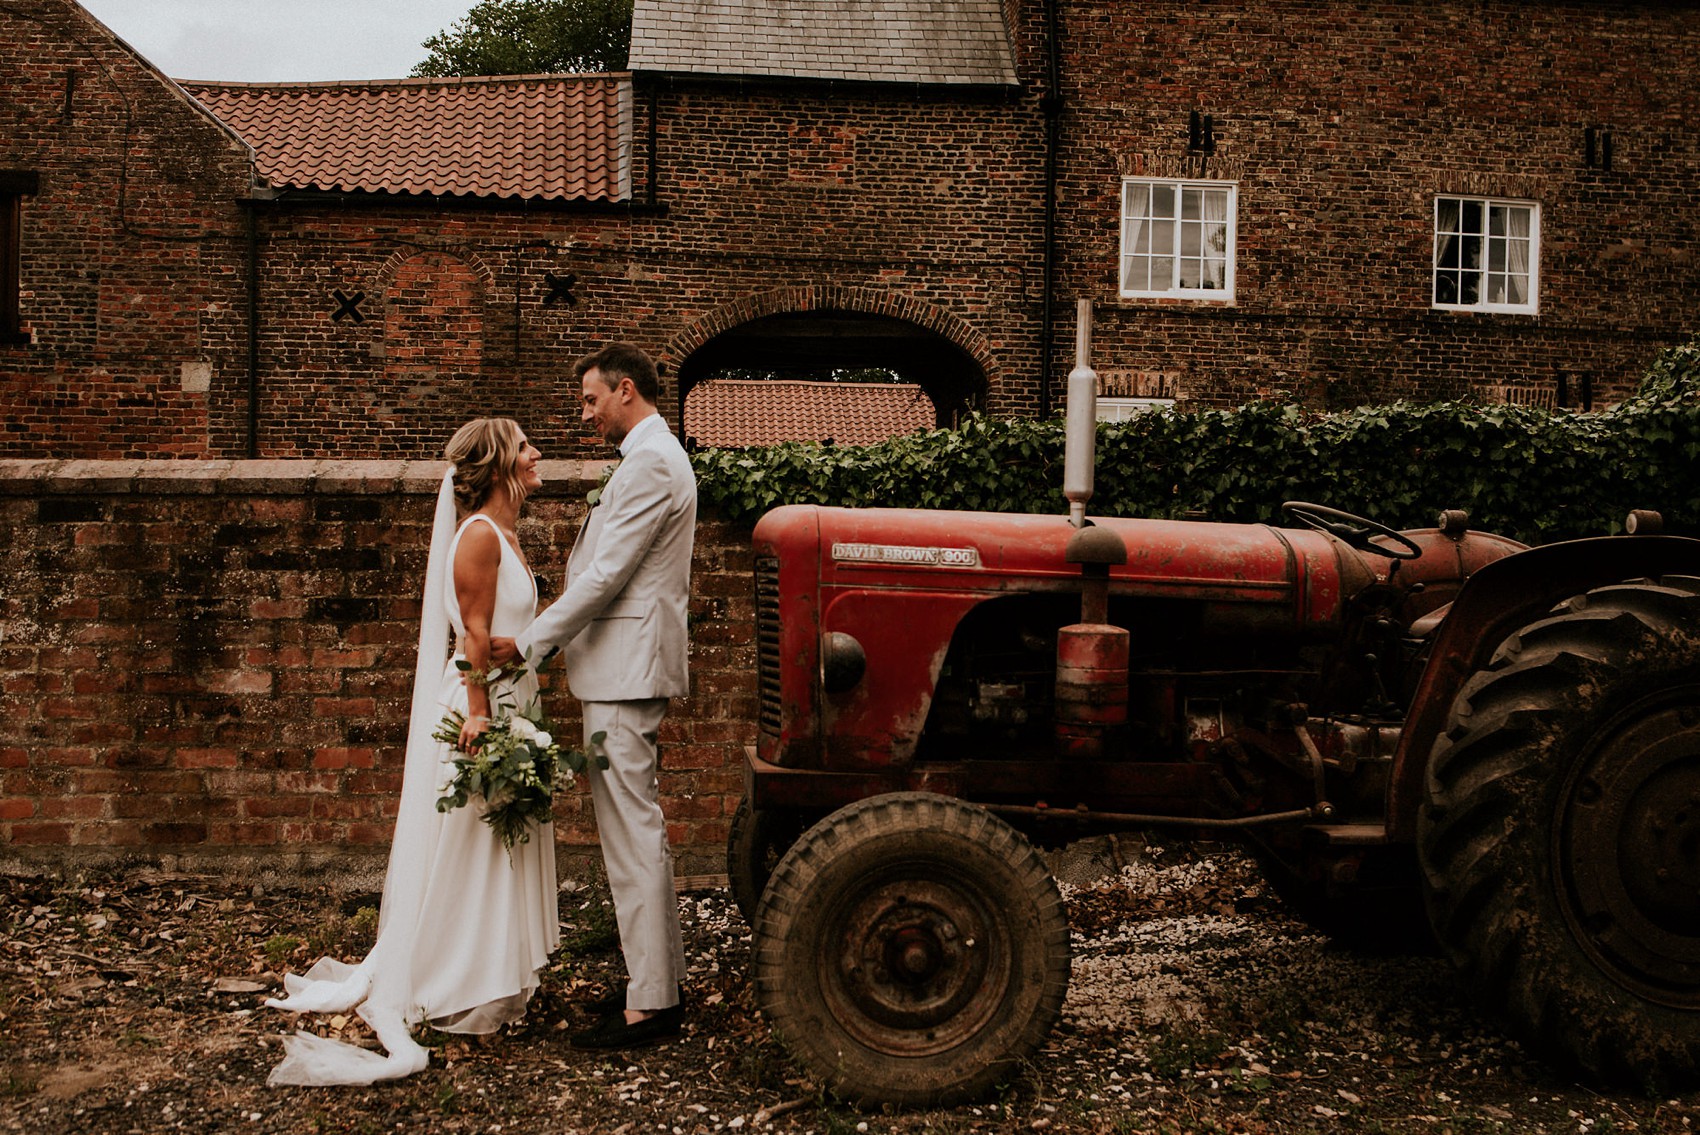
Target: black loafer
point(614, 1033)
point(615, 1002)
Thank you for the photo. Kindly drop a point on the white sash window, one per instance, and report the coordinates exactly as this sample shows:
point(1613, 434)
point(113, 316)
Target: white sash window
point(1486, 254)
point(1178, 238)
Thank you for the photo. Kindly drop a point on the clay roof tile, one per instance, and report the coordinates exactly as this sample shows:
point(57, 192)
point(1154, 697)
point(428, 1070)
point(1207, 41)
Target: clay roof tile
point(724, 413)
point(553, 137)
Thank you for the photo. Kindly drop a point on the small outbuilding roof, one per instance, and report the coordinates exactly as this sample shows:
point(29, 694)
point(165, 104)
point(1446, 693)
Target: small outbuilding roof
point(526, 137)
point(961, 42)
point(725, 413)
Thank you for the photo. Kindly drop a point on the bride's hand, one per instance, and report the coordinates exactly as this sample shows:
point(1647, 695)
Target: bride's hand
point(502, 650)
point(471, 730)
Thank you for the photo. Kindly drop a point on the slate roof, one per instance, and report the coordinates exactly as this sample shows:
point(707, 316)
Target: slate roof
point(724, 413)
point(529, 137)
point(901, 41)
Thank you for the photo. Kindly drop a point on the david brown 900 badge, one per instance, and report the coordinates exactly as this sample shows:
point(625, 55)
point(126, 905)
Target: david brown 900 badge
point(901, 554)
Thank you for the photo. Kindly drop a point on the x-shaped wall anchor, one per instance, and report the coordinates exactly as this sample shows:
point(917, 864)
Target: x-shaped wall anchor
point(560, 288)
point(348, 306)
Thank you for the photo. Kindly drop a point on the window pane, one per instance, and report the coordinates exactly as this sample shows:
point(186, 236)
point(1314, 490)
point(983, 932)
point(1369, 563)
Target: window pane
point(1517, 289)
point(1470, 287)
point(1138, 236)
point(1445, 287)
point(1496, 220)
point(1191, 240)
point(1192, 204)
point(1162, 201)
point(1190, 272)
point(1163, 236)
point(1162, 273)
point(1470, 251)
point(1136, 200)
point(1216, 237)
point(1215, 272)
point(1472, 222)
point(1446, 252)
point(1136, 274)
point(1447, 218)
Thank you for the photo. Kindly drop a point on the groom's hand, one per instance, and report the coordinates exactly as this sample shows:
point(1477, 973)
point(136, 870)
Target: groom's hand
point(503, 651)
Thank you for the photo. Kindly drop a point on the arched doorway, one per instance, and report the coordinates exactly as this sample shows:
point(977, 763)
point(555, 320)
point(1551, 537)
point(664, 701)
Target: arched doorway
point(862, 372)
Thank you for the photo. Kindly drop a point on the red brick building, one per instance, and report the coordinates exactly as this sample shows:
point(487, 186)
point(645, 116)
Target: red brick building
point(1272, 198)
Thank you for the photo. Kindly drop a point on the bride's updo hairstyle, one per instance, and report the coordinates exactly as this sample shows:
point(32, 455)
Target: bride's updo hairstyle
point(485, 453)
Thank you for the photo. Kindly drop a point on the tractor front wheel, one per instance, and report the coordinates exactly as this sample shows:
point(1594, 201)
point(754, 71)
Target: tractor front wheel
point(1560, 833)
point(911, 949)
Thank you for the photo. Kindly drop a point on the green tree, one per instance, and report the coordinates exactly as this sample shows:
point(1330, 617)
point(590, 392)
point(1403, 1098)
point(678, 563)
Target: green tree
point(529, 37)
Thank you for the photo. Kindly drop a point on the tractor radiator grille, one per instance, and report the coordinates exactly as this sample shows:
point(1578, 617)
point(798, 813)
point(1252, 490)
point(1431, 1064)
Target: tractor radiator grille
point(767, 643)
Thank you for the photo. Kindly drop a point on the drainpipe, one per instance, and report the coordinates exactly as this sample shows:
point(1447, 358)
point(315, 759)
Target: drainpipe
point(1052, 104)
point(253, 211)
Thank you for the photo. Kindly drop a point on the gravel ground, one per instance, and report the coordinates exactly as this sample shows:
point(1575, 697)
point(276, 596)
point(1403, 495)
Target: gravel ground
point(130, 1003)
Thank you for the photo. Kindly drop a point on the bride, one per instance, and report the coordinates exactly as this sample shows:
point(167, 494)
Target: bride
point(464, 929)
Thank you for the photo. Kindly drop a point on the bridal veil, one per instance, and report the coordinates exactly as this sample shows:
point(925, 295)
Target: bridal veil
point(380, 987)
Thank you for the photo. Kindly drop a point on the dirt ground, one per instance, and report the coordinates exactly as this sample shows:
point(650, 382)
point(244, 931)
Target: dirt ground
point(130, 1003)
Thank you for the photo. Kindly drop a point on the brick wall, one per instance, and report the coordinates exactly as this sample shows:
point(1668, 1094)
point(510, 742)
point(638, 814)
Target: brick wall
point(1341, 124)
point(215, 659)
point(129, 249)
point(924, 205)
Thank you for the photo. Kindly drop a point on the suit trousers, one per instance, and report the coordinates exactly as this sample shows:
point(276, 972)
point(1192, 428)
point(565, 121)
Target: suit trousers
point(635, 852)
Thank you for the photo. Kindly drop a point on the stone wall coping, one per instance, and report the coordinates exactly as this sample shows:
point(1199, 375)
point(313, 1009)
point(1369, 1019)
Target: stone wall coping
point(264, 477)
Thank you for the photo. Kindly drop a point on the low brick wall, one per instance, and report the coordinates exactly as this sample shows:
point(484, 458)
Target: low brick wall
point(211, 662)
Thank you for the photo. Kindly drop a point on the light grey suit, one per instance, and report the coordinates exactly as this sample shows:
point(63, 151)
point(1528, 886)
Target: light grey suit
point(622, 623)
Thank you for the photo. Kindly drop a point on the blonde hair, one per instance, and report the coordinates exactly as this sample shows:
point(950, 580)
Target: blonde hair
point(485, 453)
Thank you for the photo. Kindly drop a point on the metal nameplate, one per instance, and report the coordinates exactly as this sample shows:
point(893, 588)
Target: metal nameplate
point(906, 555)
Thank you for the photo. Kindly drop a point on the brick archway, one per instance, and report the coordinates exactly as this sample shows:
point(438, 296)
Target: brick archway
point(819, 327)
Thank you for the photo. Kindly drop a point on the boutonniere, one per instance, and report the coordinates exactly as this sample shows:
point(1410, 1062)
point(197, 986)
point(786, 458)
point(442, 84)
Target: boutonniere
point(594, 496)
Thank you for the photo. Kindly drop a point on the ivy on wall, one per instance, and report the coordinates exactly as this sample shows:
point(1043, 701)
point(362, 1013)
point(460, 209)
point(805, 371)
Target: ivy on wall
point(1532, 474)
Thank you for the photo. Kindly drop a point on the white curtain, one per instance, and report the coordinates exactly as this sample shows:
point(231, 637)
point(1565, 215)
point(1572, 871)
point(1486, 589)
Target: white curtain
point(1517, 254)
point(1214, 246)
point(1136, 237)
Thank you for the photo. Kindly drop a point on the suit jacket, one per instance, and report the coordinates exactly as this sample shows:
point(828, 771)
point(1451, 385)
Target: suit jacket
point(621, 618)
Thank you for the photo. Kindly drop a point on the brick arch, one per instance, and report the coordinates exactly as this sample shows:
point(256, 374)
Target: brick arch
point(826, 297)
point(385, 275)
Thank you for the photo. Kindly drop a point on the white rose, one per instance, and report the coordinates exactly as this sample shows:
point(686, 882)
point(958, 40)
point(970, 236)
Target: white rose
point(522, 728)
point(542, 739)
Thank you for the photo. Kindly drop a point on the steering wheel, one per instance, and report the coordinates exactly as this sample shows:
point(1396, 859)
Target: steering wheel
point(1353, 530)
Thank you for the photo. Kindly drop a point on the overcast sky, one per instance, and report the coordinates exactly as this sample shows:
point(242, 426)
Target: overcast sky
point(259, 42)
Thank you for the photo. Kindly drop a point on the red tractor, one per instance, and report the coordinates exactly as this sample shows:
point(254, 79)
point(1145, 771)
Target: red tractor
point(1437, 727)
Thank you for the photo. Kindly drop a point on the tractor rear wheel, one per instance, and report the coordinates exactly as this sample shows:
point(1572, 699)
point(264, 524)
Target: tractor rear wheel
point(1560, 833)
point(758, 839)
point(911, 949)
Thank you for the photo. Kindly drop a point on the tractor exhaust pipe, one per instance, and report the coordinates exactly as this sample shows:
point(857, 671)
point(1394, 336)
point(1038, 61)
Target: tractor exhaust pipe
point(1081, 425)
point(1092, 656)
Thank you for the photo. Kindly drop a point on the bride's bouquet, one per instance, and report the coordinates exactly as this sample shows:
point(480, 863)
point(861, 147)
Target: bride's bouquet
point(516, 767)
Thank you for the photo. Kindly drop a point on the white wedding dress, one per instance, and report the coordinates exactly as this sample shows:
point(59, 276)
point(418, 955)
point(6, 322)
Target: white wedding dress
point(463, 930)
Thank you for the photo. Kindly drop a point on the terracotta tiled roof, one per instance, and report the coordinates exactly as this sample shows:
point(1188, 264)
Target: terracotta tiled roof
point(725, 413)
point(897, 41)
point(534, 137)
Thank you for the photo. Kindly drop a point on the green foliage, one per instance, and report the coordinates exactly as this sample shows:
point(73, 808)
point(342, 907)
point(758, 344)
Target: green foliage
point(1532, 474)
point(531, 37)
point(279, 947)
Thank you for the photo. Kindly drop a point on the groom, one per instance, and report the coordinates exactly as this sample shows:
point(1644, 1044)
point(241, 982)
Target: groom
point(621, 624)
